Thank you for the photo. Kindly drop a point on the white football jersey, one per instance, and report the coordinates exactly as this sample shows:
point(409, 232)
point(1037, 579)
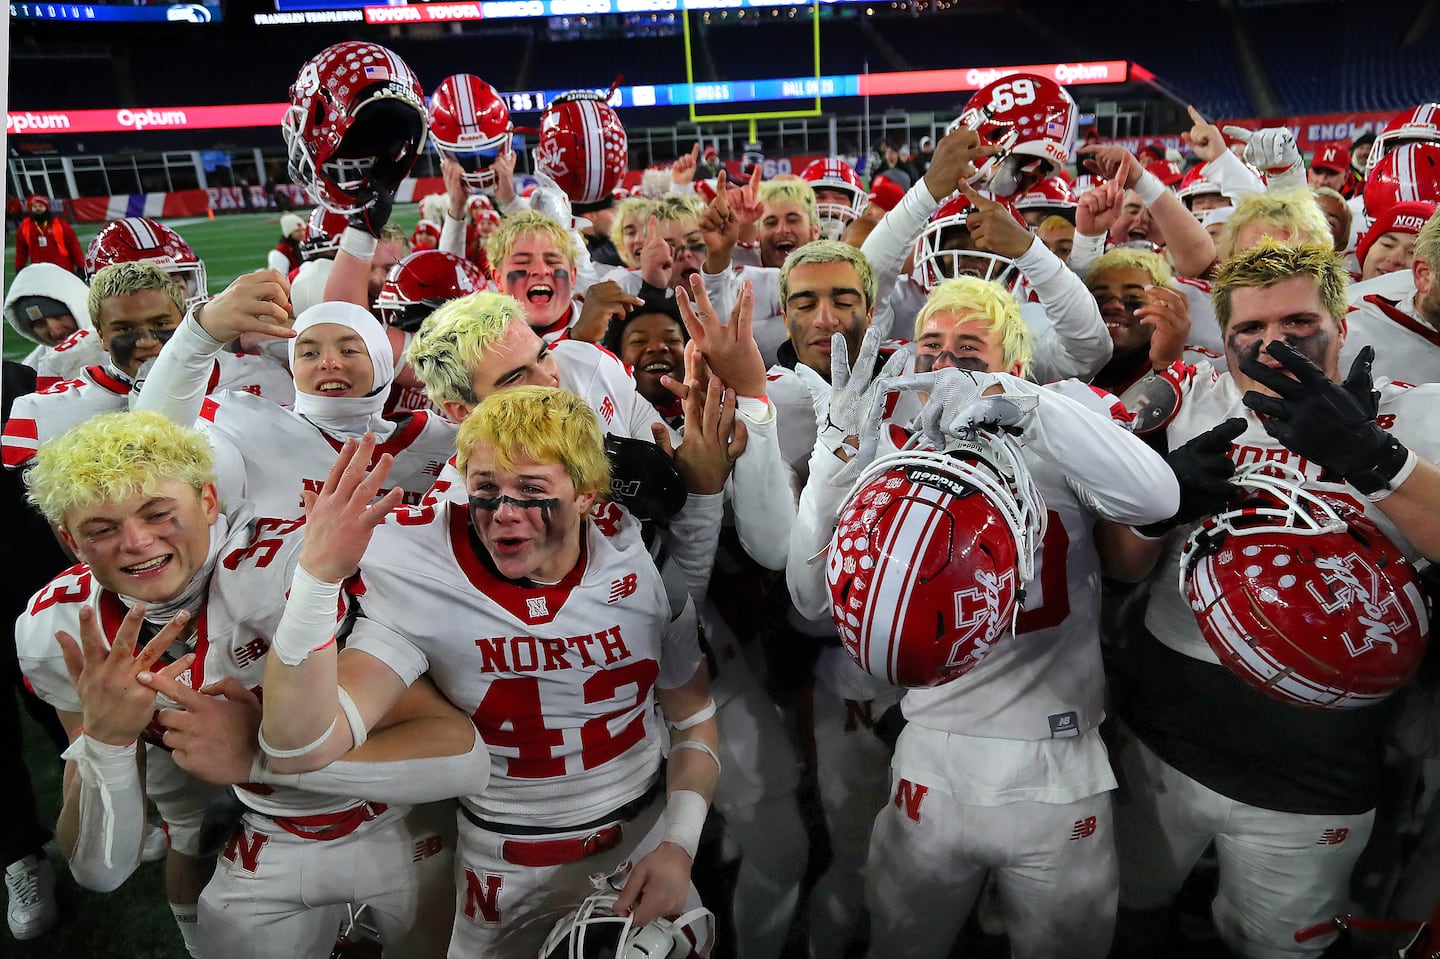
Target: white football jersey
point(1207, 400)
point(257, 430)
point(1406, 347)
point(559, 679)
point(67, 358)
point(243, 605)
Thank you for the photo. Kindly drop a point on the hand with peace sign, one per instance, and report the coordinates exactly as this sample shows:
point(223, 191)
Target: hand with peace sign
point(212, 733)
point(107, 677)
point(993, 228)
point(729, 348)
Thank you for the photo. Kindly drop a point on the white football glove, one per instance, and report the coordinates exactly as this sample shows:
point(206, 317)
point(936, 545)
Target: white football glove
point(1272, 149)
point(852, 403)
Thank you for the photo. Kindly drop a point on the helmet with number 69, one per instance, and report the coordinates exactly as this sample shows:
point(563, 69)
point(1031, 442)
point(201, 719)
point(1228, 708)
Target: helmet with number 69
point(1033, 121)
point(583, 147)
point(594, 931)
point(1302, 596)
point(355, 125)
point(1409, 173)
point(138, 239)
point(840, 197)
point(417, 285)
point(930, 557)
point(470, 124)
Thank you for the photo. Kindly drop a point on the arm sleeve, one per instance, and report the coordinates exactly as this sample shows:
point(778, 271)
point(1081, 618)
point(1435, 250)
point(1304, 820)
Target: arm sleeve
point(1085, 251)
point(1077, 343)
point(820, 502)
point(680, 652)
point(176, 384)
point(889, 243)
point(112, 814)
point(1110, 469)
point(763, 518)
point(411, 781)
point(1232, 176)
point(452, 236)
point(693, 539)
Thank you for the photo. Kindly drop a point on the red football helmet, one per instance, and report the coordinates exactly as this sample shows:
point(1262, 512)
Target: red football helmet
point(470, 124)
point(1032, 119)
point(840, 177)
point(1408, 173)
point(930, 558)
point(1302, 596)
point(1051, 195)
point(594, 931)
point(322, 234)
point(936, 258)
point(420, 283)
point(1417, 125)
point(137, 239)
point(583, 146)
point(1195, 184)
point(355, 125)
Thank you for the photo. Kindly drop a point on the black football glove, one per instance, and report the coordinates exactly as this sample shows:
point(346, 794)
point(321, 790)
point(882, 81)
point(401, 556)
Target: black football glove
point(1332, 424)
point(1203, 469)
point(375, 214)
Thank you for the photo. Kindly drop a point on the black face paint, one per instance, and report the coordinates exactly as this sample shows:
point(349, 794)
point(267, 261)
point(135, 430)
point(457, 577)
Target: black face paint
point(562, 275)
point(924, 364)
point(1312, 347)
point(515, 276)
point(123, 345)
point(490, 504)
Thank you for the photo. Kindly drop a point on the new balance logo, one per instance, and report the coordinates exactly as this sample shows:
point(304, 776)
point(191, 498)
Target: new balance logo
point(537, 607)
point(1333, 837)
point(1084, 828)
point(623, 587)
point(427, 847)
point(607, 409)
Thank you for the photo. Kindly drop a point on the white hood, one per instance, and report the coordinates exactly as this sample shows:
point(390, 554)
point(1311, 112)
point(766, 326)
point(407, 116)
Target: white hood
point(56, 282)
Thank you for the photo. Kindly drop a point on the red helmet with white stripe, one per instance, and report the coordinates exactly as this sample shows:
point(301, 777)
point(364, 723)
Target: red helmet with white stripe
point(322, 234)
point(1194, 184)
point(930, 557)
point(355, 125)
point(1410, 173)
point(138, 239)
point(1032, 119)
point(1051, 195)
point(1302, 596)
point(942, 249)
point(583, 146)
point(470, 124)
point(847, 200)
point(1417, 125)
point(417, 286)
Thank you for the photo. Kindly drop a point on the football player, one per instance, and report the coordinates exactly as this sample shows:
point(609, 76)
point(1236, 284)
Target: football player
point(1399, 314)
point(1286, 793)
point(575, 639)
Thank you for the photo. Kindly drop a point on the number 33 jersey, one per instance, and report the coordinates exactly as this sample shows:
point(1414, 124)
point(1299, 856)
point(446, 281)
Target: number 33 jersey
point(559, 679)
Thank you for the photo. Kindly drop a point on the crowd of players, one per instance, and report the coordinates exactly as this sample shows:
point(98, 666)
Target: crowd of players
point(573, 518)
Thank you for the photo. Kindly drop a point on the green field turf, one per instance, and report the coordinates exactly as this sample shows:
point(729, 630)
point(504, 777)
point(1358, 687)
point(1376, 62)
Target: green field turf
point(229, 245)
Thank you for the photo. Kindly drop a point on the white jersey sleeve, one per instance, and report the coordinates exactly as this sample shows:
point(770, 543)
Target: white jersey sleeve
point(767, 324)
point(763, 516)
point(1077, 344)
point(601, 380)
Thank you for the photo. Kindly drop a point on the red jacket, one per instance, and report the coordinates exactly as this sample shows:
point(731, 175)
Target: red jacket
point(54, 242)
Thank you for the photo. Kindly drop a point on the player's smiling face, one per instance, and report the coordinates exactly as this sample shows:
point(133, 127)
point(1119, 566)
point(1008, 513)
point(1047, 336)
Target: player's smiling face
point(784, 227)
point(654, 346)
point(528, 515)
point(540, 276)
point(150, 545)
point(332, 360)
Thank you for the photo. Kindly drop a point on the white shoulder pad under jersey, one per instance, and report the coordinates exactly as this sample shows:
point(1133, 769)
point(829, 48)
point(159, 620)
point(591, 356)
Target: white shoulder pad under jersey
point(559, 679)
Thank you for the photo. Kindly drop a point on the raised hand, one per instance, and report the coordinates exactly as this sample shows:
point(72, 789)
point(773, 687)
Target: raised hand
point(604, 302)
point(719, 226)
point(256, 302)
point(993, 227)
point(657, 261)
point(106, 678)
point(682, 171)
point(1097, 211)
point(341, 517)
point(1204, 137)
point(954, 161)
point(729, 348)
point(1112, 163)
point(456, 189)
point(714, 437)
point(504, 167)
point(1205, 473)
point(1167, 313)
point(1272, 149)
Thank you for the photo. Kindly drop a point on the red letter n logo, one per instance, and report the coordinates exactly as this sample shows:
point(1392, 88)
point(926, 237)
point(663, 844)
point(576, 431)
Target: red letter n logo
point(909, 796)
point(243, 849)
point(484, 895)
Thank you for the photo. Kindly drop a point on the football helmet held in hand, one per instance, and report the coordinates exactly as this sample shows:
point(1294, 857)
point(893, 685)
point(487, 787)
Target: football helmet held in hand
point(583, 146)
point(470, 124)
point(930, 557)
point(355, 125)
point(1032, 119)
point(594, 931)
point(1302, 596)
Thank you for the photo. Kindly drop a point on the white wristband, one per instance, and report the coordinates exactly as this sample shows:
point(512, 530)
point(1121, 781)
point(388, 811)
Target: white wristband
point(696, 718)
point(309, 619)
point(685, 812)
point(1149, 187)
point(103, 764)
point(358, 243)
point(358, 732)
